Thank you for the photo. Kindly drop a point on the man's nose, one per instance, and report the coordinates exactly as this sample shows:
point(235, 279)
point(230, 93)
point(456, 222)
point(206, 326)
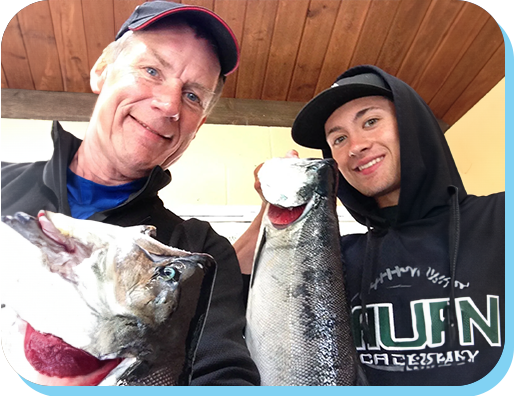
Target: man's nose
point(167, 99)
point(358, 145)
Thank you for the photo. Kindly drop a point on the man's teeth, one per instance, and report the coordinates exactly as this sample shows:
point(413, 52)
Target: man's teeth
point(147, 127)
point(154, 132)
point(368, 165)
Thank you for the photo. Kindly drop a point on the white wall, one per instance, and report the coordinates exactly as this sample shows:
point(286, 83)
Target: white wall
point(215, 175)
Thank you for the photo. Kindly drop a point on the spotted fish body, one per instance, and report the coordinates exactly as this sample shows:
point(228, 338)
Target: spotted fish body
point(88, 303)
point(298, 323)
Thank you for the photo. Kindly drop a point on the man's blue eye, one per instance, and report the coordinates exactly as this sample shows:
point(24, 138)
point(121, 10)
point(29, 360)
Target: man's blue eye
point(192, 97)
point(151, 71)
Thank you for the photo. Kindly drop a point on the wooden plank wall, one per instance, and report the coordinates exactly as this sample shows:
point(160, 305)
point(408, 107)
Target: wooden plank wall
point(290, 49)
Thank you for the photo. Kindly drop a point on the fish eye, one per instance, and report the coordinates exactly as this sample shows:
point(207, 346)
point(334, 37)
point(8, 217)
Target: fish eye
point(168, 274)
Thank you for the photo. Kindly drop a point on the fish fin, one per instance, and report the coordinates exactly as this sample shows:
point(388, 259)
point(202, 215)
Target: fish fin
point(149, 230)
point(156, 258)
point(152, 247)
point(257, 255)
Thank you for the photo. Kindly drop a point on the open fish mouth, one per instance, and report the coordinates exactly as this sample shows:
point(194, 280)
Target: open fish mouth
point(283, 217)
point(57, 362)
point(53, 357)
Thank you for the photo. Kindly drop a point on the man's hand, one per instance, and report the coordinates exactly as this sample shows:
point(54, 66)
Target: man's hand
point(245, 246)
point(257, 184)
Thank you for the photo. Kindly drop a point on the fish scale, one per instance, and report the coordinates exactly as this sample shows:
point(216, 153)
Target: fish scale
point(298, 323)
point(161, 377)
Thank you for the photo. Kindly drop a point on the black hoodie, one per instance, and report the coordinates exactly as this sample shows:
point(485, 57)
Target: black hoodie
point(430, 271)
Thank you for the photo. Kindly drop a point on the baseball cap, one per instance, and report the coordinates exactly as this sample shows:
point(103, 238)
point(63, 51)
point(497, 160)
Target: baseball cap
point(308, 127)
point(147, 13)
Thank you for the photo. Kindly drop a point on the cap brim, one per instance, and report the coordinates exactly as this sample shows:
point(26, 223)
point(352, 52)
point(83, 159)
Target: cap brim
point(308, 127)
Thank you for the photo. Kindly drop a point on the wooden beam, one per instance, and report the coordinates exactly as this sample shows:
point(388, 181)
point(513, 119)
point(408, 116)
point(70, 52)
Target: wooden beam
point(47, 105)
point(68, 106)
point(254, 112)
point(71, 106)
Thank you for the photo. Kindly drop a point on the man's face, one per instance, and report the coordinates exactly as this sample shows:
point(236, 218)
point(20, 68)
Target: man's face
point(364, 141)
point(152, 100)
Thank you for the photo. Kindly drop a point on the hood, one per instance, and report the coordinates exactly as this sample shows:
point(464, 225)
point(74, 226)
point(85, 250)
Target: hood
point(427, 166)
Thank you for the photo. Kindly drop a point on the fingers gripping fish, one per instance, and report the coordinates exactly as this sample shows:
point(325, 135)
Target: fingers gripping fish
point(298, 323)
point(88, 303)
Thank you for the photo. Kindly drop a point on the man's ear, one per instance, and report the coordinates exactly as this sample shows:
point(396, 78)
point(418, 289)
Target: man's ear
point(98, 73)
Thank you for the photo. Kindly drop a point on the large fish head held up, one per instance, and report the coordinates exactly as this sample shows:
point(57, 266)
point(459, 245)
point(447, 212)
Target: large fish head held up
point(88, 303)
point(289, 184)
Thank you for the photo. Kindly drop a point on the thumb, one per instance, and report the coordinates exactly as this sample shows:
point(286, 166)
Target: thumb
point(292, 154)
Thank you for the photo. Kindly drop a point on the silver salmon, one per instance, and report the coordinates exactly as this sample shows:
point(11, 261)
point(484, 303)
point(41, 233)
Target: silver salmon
point(298, 323)
point(88, 303)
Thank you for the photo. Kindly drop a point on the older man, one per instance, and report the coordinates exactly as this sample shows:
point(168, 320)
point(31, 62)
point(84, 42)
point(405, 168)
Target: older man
point(426, 282)
point(156, 83)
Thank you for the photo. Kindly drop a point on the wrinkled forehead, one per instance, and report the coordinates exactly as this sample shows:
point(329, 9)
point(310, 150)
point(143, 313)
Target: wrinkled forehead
point(169, 30)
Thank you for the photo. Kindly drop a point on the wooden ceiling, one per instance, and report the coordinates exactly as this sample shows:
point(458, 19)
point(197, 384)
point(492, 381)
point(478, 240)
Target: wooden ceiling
point(450, 51)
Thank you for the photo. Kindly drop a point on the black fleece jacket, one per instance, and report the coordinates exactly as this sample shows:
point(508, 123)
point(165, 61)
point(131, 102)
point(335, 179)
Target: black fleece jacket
point(430, 271)
point(222, 356)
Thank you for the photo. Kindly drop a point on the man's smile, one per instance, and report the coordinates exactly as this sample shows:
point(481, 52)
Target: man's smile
point(151, 130)
point(369, 164)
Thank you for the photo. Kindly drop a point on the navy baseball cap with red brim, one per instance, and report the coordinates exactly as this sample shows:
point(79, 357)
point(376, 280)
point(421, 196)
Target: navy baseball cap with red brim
point(147, 13)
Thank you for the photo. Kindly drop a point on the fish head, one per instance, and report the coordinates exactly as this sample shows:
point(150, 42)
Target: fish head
point(292, 185)
point(113, 292)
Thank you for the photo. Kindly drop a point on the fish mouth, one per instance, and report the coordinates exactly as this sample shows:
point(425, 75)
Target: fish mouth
point(48, 360)
point(59, 363)
point(291, 186)
point(282, 217)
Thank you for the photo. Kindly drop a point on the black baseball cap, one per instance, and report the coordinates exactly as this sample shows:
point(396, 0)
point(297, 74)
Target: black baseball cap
point(147, 13)
point(308, 127)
